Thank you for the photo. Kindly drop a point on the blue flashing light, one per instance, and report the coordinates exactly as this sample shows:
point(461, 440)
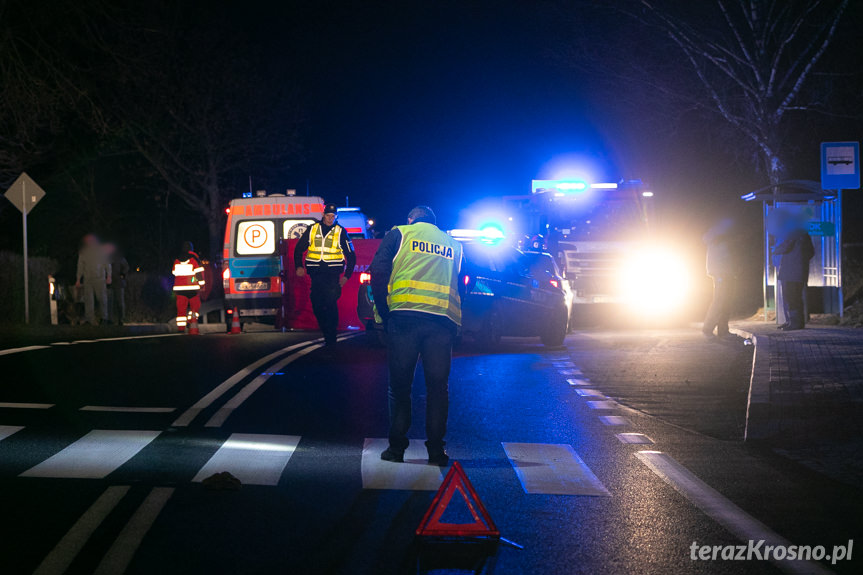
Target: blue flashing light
point(491, 232)
point(247, 194)
point(572, 186)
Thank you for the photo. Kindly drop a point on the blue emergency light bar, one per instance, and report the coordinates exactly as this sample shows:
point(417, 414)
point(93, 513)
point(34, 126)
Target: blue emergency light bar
point(247, 194)
point(561, 188)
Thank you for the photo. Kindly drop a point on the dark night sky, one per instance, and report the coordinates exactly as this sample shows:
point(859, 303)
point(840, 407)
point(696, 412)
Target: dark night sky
point(440, 104)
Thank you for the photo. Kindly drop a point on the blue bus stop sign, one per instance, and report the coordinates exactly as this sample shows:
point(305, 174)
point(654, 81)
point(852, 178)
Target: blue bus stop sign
point(840, 165)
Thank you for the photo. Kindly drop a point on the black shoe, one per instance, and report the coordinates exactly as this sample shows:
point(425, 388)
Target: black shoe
point(785, 325)
point(439, 458)
point(391, 454)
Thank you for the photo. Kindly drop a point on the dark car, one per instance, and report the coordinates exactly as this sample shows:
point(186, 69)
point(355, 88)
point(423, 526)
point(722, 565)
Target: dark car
point(507, 293)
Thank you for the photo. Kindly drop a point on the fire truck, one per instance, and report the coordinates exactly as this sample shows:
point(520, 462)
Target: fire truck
point(603, 238)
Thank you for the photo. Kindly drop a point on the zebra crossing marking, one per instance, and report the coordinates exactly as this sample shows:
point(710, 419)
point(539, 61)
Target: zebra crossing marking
point(7, 430)
point(415, 474)
point(95, 455)
point(553, 469)
point(254, 459)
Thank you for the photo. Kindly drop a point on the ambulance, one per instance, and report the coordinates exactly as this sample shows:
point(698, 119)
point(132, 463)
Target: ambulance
point(256, 225)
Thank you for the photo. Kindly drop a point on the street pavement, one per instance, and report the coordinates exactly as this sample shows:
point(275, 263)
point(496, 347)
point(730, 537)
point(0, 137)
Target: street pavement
point(807, 396)
point(613, 454)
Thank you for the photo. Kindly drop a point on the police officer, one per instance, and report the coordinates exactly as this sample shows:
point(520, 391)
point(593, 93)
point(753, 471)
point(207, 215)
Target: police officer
point(330, 252)
point(188, 281)
point(415, 283)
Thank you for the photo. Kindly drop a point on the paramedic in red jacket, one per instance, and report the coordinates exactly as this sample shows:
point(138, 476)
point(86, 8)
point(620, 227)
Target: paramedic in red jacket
point(188, 281)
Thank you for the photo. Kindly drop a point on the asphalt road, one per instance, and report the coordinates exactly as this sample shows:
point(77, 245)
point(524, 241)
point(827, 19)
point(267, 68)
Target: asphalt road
point(103, 446)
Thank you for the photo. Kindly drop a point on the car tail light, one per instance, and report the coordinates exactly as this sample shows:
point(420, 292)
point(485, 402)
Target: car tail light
point(466, 280)
point(555, 283)
point(365, 278)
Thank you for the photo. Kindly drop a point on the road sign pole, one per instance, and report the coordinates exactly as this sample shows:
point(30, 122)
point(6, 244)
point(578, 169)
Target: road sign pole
point(838, 218)
point(26, 270)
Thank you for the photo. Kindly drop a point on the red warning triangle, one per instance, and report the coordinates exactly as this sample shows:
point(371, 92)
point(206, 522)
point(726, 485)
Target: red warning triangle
point(482, 525)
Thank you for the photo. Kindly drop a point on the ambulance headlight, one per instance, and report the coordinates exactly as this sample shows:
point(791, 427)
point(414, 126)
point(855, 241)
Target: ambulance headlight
point(655, 281)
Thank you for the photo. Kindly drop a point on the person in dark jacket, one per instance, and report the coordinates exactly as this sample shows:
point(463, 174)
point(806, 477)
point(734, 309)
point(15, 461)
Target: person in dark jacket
point(794, 252)
point(117, 290)
point(328, 252)
point(720, 267)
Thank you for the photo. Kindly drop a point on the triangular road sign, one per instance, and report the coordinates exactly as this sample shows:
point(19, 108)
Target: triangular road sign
point(457, 481)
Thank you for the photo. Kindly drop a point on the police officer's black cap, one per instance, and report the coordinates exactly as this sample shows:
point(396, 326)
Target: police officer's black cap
point(330, 209)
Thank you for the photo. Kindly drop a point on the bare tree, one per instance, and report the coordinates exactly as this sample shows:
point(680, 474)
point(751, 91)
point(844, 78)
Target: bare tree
point(751, 62)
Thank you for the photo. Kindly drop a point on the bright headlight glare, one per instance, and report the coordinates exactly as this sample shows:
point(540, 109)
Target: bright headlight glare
point(655, 281)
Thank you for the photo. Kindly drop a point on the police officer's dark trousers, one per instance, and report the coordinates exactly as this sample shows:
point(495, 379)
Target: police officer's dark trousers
point(410, 336)
point(717, 315)
point(792, 300)
point(325, 302)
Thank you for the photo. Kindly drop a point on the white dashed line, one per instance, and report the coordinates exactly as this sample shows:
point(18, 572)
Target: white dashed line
point(614, 420)
point(114, 409)
point(602, 405)
point(634, 438)
point(589, 392)
point(11, 405)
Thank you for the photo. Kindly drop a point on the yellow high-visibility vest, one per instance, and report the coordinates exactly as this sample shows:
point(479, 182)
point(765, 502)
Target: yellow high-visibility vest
point(425, 272)
point(325, 250)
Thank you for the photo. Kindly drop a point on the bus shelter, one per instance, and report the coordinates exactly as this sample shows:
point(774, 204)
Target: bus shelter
point(822, 211)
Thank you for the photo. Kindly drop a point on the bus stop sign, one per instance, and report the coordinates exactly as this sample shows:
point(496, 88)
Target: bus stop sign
point(840, 165)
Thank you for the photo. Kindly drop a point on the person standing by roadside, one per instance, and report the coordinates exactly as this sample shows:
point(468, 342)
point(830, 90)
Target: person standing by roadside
point(188, 281)
point(794, 252)
point(415, 284)
point(93, 275)
point(117, 293)
point(721, 268)
point(329, 252)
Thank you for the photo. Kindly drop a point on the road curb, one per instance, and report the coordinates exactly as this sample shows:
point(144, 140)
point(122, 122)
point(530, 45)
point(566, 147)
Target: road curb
point(758, 407)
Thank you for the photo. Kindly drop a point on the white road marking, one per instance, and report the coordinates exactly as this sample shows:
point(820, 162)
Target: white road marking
point(721, 509)
point(589, 393)
point(118, 557)
point(110, 408)
point(634, 438)
point(575, 382)
point(252, 458)
point(614, 420)
point(128, 337)
point(570, 372)
point(226, 410)
point(553, 469)
point(20, 349)
point(7, 430)
point(26, 405)
point(415, 474)
point(563, 364)
point(59, 559)
point(203, 403)
point(602, 405)
point(95, 455)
